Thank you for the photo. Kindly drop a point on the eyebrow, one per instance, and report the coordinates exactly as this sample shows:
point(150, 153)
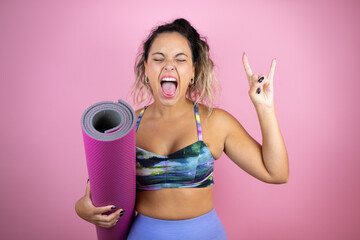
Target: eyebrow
point(179, 54)
point(158, 53)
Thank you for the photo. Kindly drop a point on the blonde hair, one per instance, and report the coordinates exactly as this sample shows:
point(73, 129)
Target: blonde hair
point(205, 83)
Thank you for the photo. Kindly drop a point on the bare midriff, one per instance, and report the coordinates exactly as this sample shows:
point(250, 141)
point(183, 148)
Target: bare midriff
point(175, 203)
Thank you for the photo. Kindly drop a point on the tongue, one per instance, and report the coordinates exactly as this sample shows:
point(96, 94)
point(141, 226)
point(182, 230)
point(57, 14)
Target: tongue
point(169, 88)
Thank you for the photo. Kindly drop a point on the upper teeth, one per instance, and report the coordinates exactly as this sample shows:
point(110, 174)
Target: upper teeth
point(169, 79)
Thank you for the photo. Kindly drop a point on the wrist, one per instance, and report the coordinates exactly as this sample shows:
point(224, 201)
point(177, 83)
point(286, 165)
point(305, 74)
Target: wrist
point(267, 118)
point(265, 109)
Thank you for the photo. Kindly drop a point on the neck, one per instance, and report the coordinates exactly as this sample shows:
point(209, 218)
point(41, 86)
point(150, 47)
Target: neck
point(173, 111)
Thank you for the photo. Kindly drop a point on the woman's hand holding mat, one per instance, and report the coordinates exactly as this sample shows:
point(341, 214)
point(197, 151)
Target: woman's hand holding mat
point(96, 215)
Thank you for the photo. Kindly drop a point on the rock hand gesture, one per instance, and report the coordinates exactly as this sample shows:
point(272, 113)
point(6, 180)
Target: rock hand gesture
point(261, 89)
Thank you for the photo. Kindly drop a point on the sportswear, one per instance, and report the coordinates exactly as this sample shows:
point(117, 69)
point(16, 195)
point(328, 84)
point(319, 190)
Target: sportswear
point(191, 166)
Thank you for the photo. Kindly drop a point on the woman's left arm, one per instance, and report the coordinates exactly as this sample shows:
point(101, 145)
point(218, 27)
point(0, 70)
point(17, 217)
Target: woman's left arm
point(269, 162)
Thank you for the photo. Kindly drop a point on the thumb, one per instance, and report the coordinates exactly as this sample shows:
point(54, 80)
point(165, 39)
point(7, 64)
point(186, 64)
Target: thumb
point(87, 192)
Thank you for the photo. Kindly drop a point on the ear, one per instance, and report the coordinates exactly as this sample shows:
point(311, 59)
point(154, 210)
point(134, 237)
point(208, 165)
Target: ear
point(145, 65)
point(193, 68)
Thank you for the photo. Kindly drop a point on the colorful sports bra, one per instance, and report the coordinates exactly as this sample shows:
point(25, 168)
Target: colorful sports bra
point(191, 166)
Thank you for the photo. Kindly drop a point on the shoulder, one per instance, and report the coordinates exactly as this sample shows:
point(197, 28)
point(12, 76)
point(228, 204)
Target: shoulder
point(138, 111)
point(217, 116)
point(219, 126)
point(220, 122)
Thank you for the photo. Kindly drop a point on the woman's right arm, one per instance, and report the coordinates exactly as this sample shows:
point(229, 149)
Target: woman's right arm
point(87, 211)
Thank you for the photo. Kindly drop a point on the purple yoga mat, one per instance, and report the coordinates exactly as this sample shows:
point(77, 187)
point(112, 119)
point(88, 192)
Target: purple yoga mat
point(109, 139)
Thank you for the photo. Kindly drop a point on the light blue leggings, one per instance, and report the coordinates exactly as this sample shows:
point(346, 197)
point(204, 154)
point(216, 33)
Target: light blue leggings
point(207, 226)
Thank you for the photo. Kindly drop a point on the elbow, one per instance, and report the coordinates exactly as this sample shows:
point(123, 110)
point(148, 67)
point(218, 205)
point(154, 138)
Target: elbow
point(280, 180)
point(280, 177)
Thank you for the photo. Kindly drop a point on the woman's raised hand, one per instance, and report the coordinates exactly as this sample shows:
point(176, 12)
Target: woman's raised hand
point(87, 211)
point(261, 89)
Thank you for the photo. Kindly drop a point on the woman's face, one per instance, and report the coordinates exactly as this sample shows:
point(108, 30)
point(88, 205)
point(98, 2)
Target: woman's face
point(169, 68)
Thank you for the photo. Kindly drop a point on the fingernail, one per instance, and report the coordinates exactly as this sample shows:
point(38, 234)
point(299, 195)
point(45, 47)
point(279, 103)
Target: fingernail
point(113, 207)
point(243, 53)
point(121, 214)
point(258, 90)
point(88, 181)
point(261, 79)
point(117, 221)
point(122, 211)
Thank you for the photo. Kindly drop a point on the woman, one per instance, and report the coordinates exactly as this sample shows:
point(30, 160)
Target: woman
point(178, 139)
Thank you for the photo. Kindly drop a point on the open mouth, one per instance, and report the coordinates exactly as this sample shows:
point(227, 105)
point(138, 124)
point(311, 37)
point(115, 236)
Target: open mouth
point(169, 86)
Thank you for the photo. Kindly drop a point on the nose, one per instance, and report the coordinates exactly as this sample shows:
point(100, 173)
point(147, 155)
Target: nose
point(169, 66)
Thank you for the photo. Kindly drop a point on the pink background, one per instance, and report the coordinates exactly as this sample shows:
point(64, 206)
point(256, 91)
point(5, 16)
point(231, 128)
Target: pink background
point(56, 59)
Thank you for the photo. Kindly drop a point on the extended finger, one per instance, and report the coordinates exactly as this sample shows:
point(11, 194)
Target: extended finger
point(247, 68)
point(272, 69)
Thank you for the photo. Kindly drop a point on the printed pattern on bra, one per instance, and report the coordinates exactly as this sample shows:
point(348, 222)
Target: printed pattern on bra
point(191, 166)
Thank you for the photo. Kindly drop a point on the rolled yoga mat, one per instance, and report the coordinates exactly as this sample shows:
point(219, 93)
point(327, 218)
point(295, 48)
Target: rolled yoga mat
point(109, 139)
